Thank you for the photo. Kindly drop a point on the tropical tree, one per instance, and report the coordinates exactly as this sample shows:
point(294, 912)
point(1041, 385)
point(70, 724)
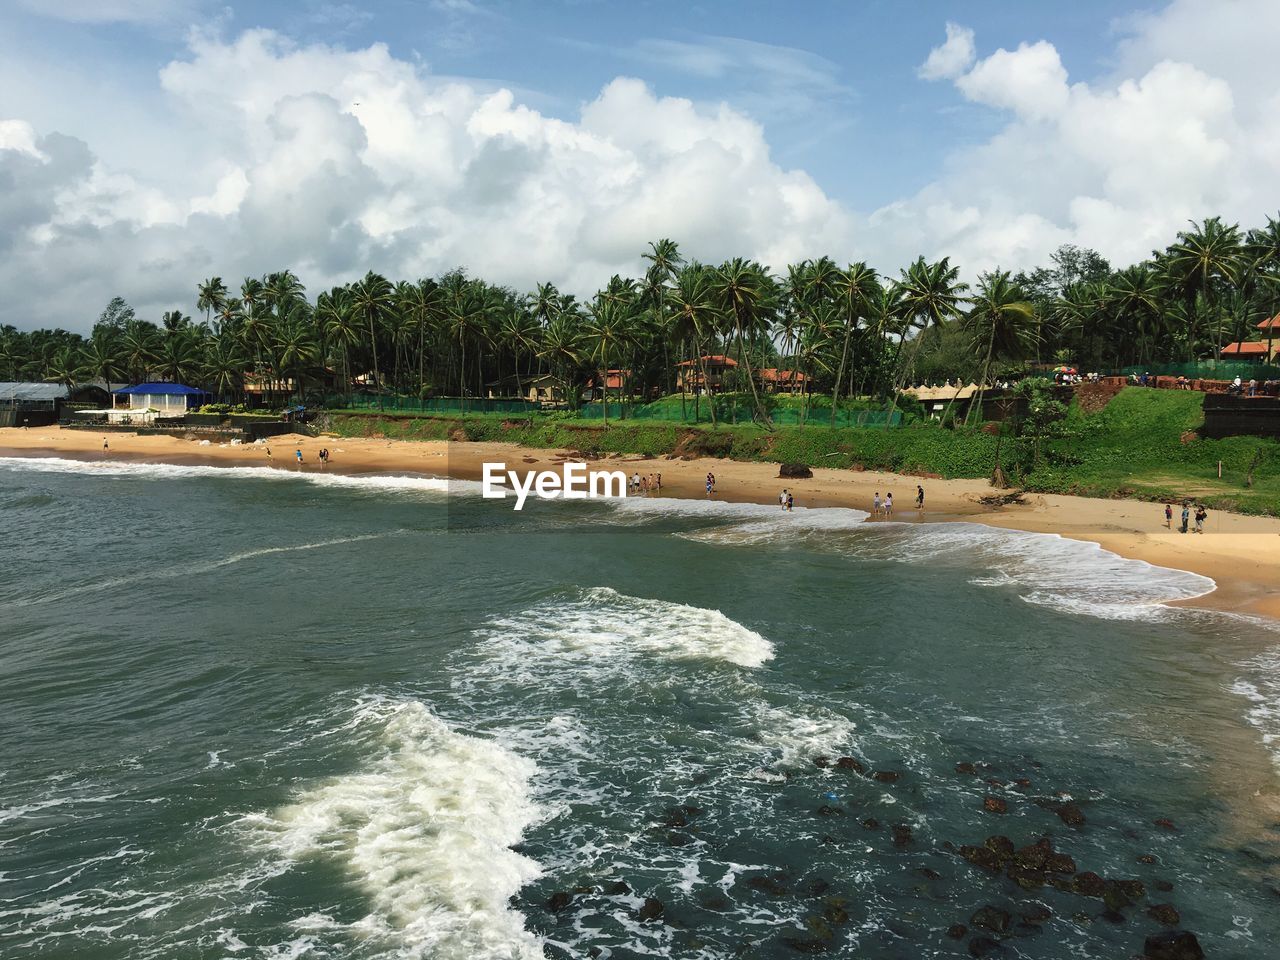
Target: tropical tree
point(372, 298)
point(1199, 262)
point(1002, 323)
point(747, 297)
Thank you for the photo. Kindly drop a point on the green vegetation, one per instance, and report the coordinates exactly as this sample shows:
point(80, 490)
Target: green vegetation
point(1141, 445)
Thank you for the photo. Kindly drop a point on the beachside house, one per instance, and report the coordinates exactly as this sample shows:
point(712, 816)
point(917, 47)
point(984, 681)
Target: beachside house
point(151, 401)
point(1252, 351)
point(774, 380)
point(539, 388)
point(35, 404)
point(689, 374)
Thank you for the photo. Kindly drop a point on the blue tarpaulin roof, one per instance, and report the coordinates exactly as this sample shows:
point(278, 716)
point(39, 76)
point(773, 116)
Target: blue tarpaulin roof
point(160, 389)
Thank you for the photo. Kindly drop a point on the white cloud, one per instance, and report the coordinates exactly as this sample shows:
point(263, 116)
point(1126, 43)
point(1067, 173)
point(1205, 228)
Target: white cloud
point(334, 161)
point(1119, 163)
point(952, 58)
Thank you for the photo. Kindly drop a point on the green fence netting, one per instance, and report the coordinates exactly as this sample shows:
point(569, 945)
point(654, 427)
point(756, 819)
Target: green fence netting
point(1205, 370)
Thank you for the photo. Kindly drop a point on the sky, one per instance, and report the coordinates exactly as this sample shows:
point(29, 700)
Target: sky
point(146, 145)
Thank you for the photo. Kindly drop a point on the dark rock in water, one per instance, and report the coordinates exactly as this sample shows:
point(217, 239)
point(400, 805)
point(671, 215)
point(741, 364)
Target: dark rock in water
point(848, 763)
point(991, 918)
point(828, 811)
point(834, 913)
point(677, 839)
point(1115, 898)
point(1113, 916)
point(985, 947)
point(817, 887)
point(1133, 889)
point(651, 909)
point(594, 952)
point(994, 805)
point(885, 776)
point(901, 834)
point(871, 823)
point(1089, 884)
point(1036, 915)
point(559, 901)
point(1034, 856)
point(1022, 783)
point(618, 888)
point(806, 946)
point(822, 762)
point(774, 884)
point(1060, 883)
point(1071, 815)
point(1172, 945)
point(996, 782)
point(1026, 878)
point(1001, 846)
point(1165, 913)
point(1147, 858)
point(957, 931)
point(966, 767)
point(1164, 886)
point(982, 857)
point(676, 818)
point(1060, 863)
point(715, 901)
point(1165, 823)
point(794, 471)
point(929, 874)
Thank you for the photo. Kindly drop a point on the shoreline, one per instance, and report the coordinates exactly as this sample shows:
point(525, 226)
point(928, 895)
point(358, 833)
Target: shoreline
point(1241, 554)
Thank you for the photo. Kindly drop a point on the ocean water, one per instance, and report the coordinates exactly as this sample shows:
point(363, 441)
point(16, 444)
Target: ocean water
point(257, 714)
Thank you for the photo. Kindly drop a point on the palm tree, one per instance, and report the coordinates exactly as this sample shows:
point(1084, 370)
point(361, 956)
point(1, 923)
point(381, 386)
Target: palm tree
point(519, 332)
point(1202, 258)
point(138, 346)
point(337, 320)
point(856, 287)
point(1134, 294)
point(224, 366)
point(372, 297)
point(929, 295)
point(693, 311)
point(747, 297)
point(212, 294)
point(562, 347)
point(1264, 244)
point(606, 330)
point(1002, 323)
point(102, 357)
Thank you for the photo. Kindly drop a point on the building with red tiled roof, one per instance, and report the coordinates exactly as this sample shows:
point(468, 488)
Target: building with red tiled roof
point(1251, 350)
point(689, 373)
point(773, 379)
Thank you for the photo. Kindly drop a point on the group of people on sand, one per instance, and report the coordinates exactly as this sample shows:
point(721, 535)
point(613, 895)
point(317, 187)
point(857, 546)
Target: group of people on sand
point(884, 508)
point(651, 483)
point(1190, 511)
point(322, 456)
point(711, 484)
point(786, 500)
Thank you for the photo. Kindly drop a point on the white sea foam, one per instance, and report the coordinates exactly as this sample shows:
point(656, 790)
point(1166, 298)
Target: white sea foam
point(800, 736)
point(373, 483)
point(602, 623)
point(426, 829)
point(1262, 689)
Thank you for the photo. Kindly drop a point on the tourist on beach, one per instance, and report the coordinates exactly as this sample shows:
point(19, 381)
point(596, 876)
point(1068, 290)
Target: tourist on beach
point(659, 483)
point(711, 482)
point(635, 482)
point(104, 444)
point(888, 505)
point(919, 497)
point(782, 498)
point(1201, 513)
point(268, 454)
point(1186, 515)
point(1168, 515)
point(298, 453)
point(791, 501)
point(875, 505)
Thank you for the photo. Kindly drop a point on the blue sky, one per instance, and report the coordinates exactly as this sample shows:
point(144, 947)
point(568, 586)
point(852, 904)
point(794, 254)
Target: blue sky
point(145, 144)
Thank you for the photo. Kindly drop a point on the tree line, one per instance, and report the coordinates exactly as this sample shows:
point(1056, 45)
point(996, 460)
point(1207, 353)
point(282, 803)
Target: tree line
point(852, 330)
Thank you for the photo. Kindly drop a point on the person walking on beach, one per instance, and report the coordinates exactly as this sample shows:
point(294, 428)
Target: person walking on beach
point(1186, 515)
point(888, 505)
point(298, 453)
point(659, 483)
point(1168, 515)
point(268, 454)
point(919, 497)
point(711, 482)
point(875, 505)
point(1201, 514)
point(782, 498)
point(791, 501)
point(105, 446)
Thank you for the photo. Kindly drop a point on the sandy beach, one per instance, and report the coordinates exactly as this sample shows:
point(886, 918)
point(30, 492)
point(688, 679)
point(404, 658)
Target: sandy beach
point(1240, 553)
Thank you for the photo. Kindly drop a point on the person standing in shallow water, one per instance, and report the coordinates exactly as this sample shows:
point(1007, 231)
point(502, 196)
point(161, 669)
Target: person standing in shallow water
point(888, 505)
point(919, 497)
point(875, 505)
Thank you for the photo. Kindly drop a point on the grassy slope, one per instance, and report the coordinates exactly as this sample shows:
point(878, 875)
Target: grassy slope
point(1134, 447)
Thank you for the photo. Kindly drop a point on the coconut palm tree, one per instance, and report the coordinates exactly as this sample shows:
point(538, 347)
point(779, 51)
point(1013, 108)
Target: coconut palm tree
point(372, 297)
point(211, 295)
point(1202, 259)
point(1135, 296)
point(102, 358)
point(929, 295)
point(747, 297)
point(336, 318)
point(692, 306)
point(139, 344)
point(520, 332)
point(1002, 323)
point(224, 366)
point(606, 331)
point(562, 347)
point(856, 288)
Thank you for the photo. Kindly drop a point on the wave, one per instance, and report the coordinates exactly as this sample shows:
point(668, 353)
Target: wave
point(1262, 689)
point(174, 471)
point(602, 623)
point(426, 829)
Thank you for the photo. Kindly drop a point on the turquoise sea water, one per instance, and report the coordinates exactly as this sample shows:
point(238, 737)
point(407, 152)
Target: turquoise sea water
point(254, 714)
